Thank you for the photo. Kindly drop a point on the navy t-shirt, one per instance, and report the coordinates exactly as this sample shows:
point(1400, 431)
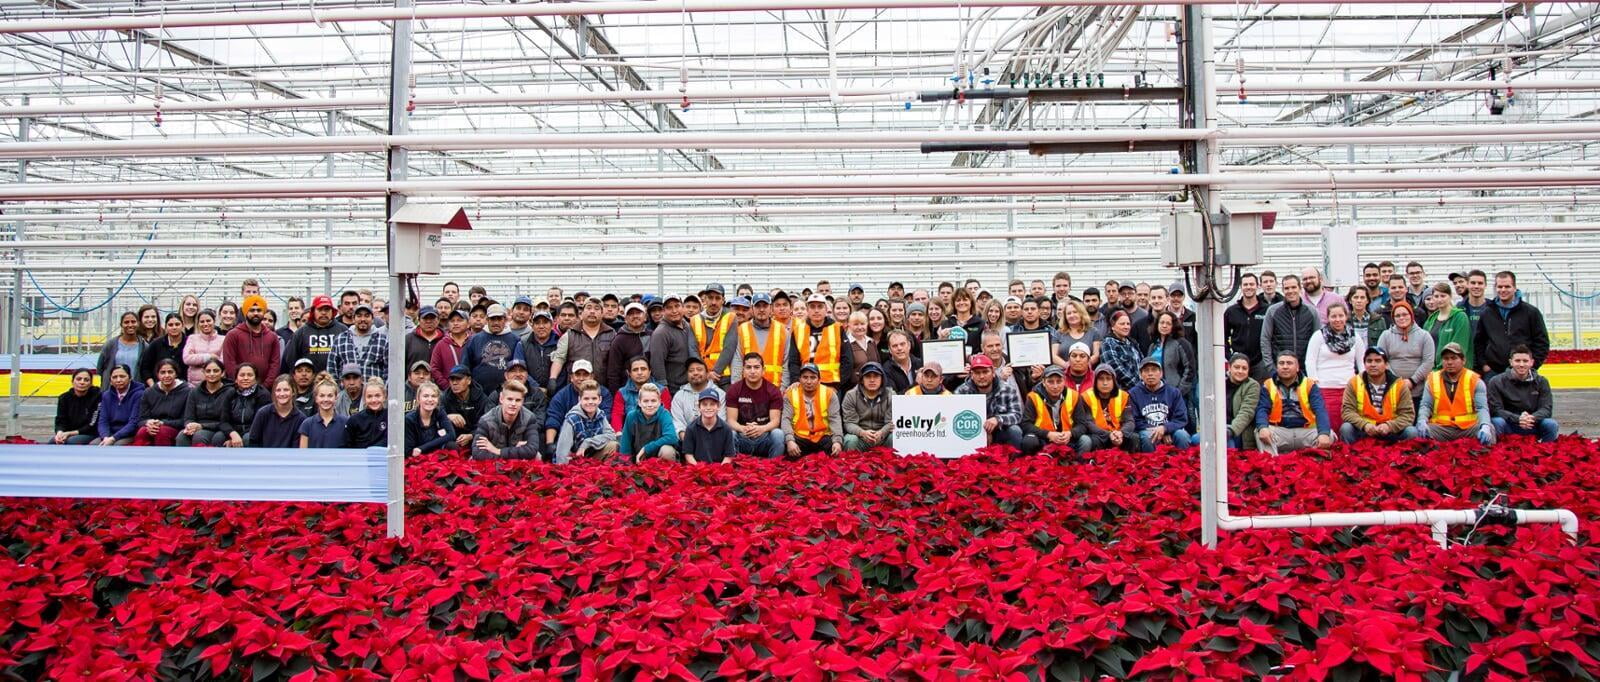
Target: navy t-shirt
point(319, 435)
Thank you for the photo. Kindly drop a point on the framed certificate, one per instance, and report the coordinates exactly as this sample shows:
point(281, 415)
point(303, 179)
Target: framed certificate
point(951, 354)
point(1028, 349)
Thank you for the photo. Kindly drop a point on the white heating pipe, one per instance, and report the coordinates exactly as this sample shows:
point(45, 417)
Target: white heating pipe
point(147, 106)
point(165, 20)
point(1098, 183)
point(801, 140)
point(250, 210)
point(1436, 519)
point(778, 238)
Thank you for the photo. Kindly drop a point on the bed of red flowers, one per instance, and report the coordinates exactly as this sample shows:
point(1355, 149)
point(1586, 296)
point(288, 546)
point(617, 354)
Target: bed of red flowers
point(1573, 356)
point(864, 566)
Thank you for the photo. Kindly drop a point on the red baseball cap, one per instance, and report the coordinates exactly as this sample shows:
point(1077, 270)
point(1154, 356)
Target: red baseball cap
point(320, 301)
point(980, 360)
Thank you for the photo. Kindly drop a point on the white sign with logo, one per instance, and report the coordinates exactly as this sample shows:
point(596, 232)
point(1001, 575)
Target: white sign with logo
point(939, 425)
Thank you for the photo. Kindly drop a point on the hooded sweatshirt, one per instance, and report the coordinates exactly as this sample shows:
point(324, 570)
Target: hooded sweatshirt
point(1161, 406)
point(1506, 325)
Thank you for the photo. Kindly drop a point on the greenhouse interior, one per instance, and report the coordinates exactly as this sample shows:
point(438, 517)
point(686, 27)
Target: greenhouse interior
point(881, 159)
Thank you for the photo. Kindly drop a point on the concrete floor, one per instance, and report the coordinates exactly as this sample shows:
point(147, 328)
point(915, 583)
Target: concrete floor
point(1576, 410)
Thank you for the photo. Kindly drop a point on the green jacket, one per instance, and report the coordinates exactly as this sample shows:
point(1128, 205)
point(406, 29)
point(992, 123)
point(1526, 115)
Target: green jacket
point(1449, 326)
point(1242, 422)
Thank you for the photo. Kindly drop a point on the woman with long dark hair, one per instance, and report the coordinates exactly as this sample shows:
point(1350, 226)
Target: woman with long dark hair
point(168, 346)
point(124, 349)
point(76, 409)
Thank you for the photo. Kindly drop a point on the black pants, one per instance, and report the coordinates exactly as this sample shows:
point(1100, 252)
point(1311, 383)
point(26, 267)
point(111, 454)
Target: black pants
point(809, 448)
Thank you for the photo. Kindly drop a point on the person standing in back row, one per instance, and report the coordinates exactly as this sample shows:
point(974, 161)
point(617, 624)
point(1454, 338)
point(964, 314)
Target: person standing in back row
point(1508, 323)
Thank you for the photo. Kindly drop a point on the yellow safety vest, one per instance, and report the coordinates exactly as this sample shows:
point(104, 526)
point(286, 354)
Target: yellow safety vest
point(1456, 411)
point(815, 427)
point(1275, 416)
point(1109, 416)
point(711, 343)
point(826, 356)
point(1391, 400)
point(1063, 420)
point(772, 354)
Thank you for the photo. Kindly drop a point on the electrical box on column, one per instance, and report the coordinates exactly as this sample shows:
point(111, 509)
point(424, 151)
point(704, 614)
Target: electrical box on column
point(419, 236)
point(1241, 223)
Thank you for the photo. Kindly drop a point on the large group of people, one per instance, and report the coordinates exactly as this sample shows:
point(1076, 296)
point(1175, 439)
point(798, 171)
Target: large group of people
point(703, 377)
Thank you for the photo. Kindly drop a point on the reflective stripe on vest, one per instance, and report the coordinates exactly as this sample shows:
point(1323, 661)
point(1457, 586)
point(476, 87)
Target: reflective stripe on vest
point(711, 347)
point(1063, 419)
point(1391, 400)
point(826, 357)
point(815, 427)
point(1275, 416)
point(1455, 411)
point(771, 354)
point(1109, 417)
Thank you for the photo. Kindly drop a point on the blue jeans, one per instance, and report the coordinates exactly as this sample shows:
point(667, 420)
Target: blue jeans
point(1180, 440)
point(1350, 434)
point(1006, 435)
point(1545, 429)
point(769, 445)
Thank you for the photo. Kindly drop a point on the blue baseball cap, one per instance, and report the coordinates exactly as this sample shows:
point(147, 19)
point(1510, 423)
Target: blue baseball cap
point(427, 311)
point(740, 302)
point(855, 286)
point(523, 300)
point(710, 394)
point(759, 299)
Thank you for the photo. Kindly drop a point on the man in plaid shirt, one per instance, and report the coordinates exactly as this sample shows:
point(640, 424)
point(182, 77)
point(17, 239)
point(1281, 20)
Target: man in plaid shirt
point(1004, 402)
point(360, 346)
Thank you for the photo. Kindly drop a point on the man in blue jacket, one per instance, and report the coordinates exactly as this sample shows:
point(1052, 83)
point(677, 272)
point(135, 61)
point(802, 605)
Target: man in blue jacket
point(1161, 415)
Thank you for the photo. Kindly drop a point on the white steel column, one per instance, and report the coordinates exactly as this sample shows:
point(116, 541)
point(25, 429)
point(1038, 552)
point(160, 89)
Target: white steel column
point(399, 124)
point(14, 325)
point(1200, 96)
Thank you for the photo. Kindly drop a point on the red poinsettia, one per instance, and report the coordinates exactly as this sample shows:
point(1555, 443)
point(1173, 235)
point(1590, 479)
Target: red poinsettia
point(865, 566)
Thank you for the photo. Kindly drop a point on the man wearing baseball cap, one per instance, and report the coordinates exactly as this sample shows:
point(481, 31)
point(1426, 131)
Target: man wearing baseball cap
point(420, 341)
point(1161, 415)
point(361, 345)
point(490, 351)
point(930, 381)
point(711, 328)
point(671, 345)
point(1049, 415)
point(518, 317)
point(314, 340)
point(1004, 424)
point(1290, 414)
point(740, 305)
point(447, 350)
point(817, 340)
point(1455, 402)
point(631, 341)
point(589, 340)
point(464, 403)
point(811, 419)
point(758, 335)
point(254, 342)
point(1377, 403)
point(868, 417)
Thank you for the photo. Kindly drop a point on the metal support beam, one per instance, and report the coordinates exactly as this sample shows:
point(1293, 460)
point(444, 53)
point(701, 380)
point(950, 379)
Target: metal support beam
point(399, 124)
point(14, 325)
point(1199, 100)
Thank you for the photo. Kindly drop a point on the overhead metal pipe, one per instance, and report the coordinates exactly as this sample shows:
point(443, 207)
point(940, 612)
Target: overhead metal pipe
point(888, 140)
point(169, 20)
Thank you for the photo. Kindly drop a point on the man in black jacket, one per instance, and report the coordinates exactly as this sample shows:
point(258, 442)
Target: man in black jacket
point(1509, 322)
point(1520, 402)
point(314, 339)
point(1288, 326)
point(463, 404)
point(1242, 322)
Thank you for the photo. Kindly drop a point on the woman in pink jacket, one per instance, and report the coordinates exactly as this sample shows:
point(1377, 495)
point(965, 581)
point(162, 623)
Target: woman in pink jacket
point(203, 345)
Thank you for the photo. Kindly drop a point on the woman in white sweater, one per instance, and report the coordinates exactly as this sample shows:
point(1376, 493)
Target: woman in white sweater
point(1334, 356)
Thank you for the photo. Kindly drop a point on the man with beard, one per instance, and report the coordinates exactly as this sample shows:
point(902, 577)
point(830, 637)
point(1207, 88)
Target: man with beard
point(1317, 296)
point(314, 340)
point(253, 342)
point(358, 345)
point(760, 336)
point(489, 352)
point(671, 346)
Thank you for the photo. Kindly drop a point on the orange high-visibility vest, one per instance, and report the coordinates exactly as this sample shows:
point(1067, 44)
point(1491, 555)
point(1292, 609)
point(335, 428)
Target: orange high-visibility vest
point(1275, 416)
point(826, 356)
point(917, 390)
point(1109, 416)
point(1391, 400)
point(815, 427)
point(772, 354)
point(1455, 411)
point(1043, 418)
point(711, 343)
